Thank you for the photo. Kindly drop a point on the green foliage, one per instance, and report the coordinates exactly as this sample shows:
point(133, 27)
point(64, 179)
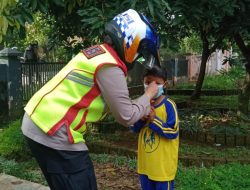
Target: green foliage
point(6, 6)
point(174, 19)
point(92, 14)
point(214, 122)
point(94, 19)
point(13, 144)
point(38, 31)
point(227, 80)
point(191, 44)
point(190, 123)
point(202, 14)
point(218, 82)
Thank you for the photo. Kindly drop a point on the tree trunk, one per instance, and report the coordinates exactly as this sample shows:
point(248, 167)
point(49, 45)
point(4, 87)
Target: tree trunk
point(243, 97)
point(197, 91)
point(205, 54)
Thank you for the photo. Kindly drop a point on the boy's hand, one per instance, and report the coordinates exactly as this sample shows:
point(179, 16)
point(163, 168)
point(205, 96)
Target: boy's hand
point(152, 102)
point(144, 118)
point(150, 117)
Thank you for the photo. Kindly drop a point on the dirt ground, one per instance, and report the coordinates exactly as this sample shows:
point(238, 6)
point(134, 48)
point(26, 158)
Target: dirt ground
point(113, 178)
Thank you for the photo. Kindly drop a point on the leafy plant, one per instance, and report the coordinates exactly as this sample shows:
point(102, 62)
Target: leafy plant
point(191, 44)
point(190, 122)
point(6, 19)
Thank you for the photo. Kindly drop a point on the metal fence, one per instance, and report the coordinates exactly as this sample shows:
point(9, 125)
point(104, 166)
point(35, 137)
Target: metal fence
point(177, 67)
point(36, 74)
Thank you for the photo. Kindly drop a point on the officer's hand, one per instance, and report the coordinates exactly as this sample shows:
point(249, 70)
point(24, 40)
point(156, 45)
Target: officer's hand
point(151, 90)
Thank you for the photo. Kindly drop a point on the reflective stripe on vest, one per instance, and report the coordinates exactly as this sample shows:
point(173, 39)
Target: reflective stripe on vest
point(72, 98)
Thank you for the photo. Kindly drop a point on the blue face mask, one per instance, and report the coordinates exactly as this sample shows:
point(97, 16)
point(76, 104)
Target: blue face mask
point(160, 90)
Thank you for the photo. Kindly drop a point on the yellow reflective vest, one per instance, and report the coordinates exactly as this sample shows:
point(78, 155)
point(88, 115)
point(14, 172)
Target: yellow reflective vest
point(72, 97)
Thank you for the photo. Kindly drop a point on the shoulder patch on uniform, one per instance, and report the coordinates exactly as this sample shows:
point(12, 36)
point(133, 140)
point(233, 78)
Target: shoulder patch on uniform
point(93, 51)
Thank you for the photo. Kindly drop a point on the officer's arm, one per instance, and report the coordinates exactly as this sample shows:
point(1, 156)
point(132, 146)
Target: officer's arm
point(113, 85)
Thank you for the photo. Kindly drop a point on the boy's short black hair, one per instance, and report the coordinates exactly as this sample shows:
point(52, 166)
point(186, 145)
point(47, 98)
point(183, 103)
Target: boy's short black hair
point(156, 72)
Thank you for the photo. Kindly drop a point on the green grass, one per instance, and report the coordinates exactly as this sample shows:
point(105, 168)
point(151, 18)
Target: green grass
point(12, 143)
point(27, 170)
point(224, 177)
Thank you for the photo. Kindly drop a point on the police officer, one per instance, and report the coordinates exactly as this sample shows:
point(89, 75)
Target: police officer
point(80, 94)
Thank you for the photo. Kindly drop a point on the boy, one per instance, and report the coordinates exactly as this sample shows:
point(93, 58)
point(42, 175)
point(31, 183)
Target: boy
point(158, 140)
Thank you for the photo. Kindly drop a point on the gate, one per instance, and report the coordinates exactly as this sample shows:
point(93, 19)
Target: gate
point(36, 74)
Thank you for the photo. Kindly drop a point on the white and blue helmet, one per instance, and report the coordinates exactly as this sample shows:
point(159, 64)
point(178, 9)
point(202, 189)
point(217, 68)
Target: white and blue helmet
point(134, 38)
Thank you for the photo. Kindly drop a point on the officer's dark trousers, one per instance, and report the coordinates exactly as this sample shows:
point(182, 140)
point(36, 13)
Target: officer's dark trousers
point(64, 170)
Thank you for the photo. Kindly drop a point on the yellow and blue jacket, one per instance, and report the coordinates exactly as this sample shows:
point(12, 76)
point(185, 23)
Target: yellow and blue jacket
point(158, 143)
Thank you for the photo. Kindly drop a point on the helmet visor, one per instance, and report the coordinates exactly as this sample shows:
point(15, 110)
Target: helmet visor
point(148, 60)
point(148, 55)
